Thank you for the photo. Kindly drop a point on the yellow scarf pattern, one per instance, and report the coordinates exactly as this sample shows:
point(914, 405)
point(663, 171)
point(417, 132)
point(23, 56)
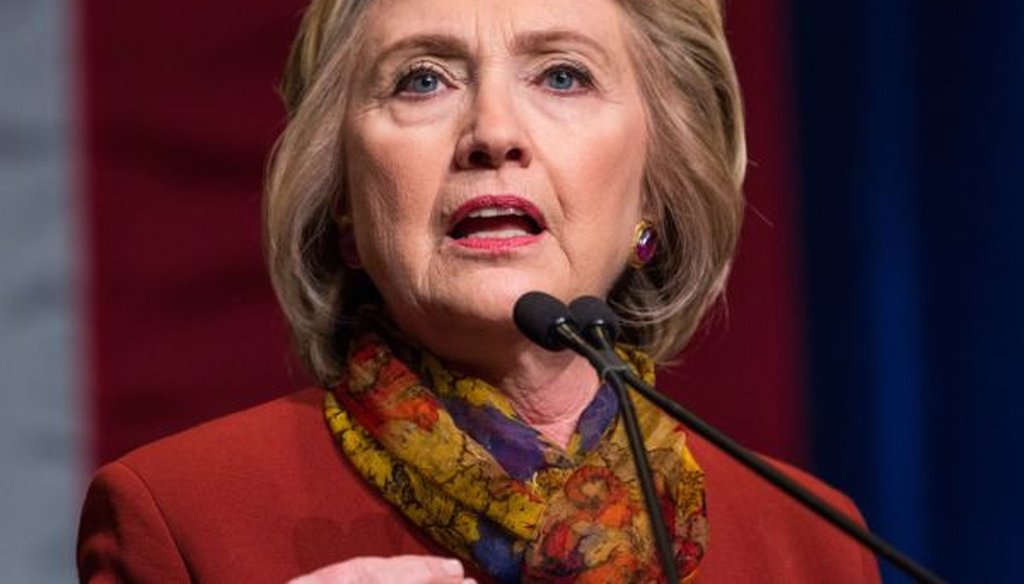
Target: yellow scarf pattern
point(450, 452)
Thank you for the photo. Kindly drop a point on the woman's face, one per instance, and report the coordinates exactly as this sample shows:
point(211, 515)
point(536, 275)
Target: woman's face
point(493, 147)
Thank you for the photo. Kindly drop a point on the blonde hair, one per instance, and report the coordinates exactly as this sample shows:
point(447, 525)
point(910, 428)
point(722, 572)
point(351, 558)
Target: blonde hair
point(692, 181)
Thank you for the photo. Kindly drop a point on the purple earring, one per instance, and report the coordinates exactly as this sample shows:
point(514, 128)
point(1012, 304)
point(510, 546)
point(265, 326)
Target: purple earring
point(645, 243)
point(347, 244)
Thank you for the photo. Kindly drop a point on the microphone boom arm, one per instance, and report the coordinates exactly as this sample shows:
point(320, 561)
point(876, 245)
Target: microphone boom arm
point(547, 322)
point(783, 482)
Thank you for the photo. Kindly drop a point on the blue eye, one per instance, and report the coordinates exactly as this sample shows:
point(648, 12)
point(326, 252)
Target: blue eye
point(423, 83)
point(560, 79)
point(419, 81)
point(566, 78)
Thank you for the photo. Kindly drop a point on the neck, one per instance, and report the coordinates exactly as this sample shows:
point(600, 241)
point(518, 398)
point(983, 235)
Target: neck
point(548, 390)
point(552, 397)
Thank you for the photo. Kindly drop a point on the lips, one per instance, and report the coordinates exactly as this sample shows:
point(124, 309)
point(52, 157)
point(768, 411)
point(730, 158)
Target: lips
point(496, 217)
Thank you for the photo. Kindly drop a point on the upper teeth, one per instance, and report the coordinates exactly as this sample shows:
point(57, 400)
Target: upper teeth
point(496, 212)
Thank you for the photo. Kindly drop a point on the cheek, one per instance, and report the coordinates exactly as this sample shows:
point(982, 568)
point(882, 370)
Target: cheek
point(394, 180)
point(602, 176)
point(599, 175)
point(395, 177)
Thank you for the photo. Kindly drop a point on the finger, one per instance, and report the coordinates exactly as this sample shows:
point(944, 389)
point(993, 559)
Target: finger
point(413, 570)
point(444, 569)
point(407, 569)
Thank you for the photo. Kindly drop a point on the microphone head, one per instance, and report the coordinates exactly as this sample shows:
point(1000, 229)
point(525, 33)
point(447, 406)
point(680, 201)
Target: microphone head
point(537, 315)
point(592, 312)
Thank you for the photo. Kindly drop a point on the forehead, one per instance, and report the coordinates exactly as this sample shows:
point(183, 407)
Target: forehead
point(484, 22)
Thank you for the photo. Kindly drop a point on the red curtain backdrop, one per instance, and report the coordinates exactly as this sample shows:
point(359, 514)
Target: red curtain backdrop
point(745, 372)
point(178, 112)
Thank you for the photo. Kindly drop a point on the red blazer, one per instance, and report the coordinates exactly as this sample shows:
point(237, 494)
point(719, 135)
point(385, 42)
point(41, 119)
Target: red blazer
point(264, 495)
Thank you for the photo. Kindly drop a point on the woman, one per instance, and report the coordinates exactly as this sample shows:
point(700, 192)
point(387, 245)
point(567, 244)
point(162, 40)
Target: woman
point(443, 157)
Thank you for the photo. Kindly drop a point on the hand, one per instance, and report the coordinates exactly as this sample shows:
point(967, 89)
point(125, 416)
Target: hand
point(397, 569)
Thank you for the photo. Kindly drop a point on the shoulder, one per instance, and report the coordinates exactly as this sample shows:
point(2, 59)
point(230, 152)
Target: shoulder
point(250, 438)
point(259, 495)
point(759, 534)
point(122, 535)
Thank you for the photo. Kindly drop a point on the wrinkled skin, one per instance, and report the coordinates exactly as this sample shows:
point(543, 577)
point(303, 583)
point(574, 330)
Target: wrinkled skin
point(457, 99)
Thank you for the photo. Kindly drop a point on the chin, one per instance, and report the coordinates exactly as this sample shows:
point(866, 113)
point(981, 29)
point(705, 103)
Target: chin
point(492, 295)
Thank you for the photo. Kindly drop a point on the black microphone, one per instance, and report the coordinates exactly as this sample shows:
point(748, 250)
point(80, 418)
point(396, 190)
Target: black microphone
point(600, 324)
point(598, 321)
point(546, 321)
point(540, 317)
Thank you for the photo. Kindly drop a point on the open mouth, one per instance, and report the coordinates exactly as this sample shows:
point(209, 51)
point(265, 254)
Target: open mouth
point(496, 218)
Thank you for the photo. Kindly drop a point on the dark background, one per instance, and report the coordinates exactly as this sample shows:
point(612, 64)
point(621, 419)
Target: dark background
point(872, 331)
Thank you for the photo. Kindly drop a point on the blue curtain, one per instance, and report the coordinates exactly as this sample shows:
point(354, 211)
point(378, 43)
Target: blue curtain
point(911, 128)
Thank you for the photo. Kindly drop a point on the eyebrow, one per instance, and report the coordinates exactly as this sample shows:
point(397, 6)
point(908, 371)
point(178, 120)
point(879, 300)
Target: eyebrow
point(542, 40)
point(437, 44)
point(446, 45)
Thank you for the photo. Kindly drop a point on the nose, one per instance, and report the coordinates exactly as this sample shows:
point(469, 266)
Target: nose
point(493, 135)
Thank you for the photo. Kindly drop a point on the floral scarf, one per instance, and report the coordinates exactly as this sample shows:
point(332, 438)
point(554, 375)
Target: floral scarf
point(450, 452)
